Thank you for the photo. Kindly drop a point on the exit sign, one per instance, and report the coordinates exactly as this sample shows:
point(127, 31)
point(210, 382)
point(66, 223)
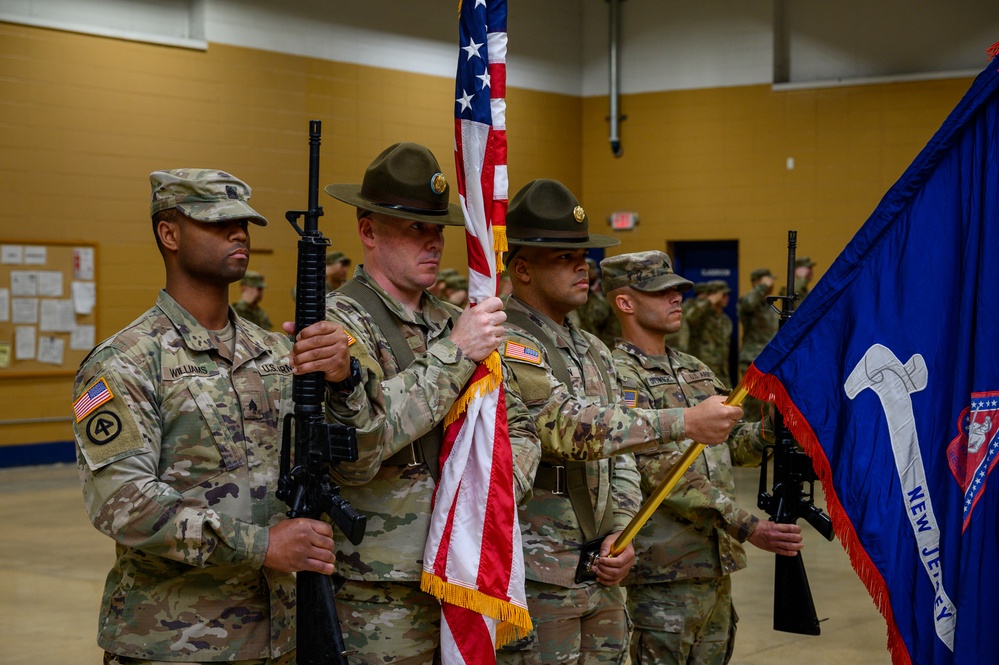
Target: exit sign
point(623, 221)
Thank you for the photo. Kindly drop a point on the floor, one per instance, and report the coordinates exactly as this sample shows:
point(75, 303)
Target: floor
point(53, 563)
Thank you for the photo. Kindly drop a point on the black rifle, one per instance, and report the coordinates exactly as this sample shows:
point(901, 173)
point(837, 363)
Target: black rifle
point(307, 487)
point(788, 501)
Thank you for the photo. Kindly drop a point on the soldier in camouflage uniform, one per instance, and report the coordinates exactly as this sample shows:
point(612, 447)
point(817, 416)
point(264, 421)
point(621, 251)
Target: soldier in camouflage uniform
point(595, 316)
point(759, 325)
point(587, 484)
point(803, 270)
point(679, 591)
point(251, 293)
point(413, 353)
point(177, 421)
point(711, 329)
point(337, 265)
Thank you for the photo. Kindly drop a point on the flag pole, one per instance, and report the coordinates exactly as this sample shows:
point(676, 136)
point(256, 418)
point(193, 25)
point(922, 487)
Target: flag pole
point(666, 486)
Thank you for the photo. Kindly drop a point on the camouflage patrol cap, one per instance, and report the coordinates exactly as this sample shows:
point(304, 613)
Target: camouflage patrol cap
point(803, 262)
point(759, 273)
point(336, 257)
point(700, 287)
point(254, 279)
point(717, 286)
point(445, 273)
point(456, 281)
point(204, 195)
point(646, 271)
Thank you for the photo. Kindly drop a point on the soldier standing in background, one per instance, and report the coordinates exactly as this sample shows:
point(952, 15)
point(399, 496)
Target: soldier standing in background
point(251, 292)
point(803, 266)
point(711, 329)
point(337, 267)
point(178, 424)
point(596, 317)
point(412, 354)
point(679, 591)
point(759, 325)
point(587, 483)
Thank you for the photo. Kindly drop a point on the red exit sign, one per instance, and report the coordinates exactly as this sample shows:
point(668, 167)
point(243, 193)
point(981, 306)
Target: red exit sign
point(623, 221)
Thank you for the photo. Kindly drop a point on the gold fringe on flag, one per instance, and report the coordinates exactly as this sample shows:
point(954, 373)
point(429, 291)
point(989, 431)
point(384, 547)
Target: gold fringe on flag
point(483, 386)
point(515, 622)
point(500, 245)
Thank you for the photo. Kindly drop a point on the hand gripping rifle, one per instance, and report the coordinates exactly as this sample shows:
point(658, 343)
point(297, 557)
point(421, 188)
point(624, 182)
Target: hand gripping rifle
point(307, 487)
point(789, 500)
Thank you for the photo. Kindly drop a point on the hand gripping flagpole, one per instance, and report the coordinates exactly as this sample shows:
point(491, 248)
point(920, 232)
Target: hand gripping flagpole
point(591, 550)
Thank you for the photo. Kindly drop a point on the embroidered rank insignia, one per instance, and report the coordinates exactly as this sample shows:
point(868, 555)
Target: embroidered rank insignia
point(97, 394)
point(630, 398)
point(528, 354)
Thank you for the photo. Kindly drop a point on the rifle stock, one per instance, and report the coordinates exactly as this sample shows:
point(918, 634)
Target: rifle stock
point(305, 483)
point(789, 501)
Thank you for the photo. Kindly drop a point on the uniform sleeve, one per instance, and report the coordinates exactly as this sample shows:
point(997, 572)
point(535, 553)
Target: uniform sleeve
point(125, 497)
point(390, 413)
point(693, 494)
point(753, 300)
point(524, 441)
point(577, 429)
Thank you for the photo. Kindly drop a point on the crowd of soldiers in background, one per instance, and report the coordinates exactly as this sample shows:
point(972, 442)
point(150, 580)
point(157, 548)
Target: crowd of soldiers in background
point(706, 332)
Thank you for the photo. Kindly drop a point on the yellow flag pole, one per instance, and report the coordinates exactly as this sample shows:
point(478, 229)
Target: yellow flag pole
point(666, 486)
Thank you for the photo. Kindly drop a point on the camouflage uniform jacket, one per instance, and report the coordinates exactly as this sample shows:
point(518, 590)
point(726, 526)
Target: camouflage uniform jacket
point(253, 314)
point(584, 424)
point(711, 339)
point(696, 531)
point(391, 409)
point(179, 467)
point(759, 324)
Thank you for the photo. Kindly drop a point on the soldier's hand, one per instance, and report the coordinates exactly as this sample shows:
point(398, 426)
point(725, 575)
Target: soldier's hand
point(300, 544)
point(784, 539)
point(610, 570)
point(322, 347)
point(479, 330)
point(710, 421)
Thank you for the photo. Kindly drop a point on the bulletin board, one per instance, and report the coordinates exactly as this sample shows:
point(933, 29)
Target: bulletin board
point(48, 307)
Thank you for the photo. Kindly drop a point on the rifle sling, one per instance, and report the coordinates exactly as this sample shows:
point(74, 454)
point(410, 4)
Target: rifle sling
point(427, 448)
point(569, 477)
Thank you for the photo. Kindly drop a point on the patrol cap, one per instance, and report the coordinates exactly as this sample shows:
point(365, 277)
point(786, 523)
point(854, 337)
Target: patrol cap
point(646, 271)
point(254, 279)
point(204, 195)
point(803, 262)
point(717, 286)
point(403, 181)
point(700, 287)
point(458, 282)
point(759, 273)
point(336, 257)
point(544, 213)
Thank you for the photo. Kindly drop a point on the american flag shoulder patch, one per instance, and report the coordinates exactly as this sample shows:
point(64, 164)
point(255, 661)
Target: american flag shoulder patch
point(98, 393)
point(630, 398)
point(522, 352)
point(350, 338)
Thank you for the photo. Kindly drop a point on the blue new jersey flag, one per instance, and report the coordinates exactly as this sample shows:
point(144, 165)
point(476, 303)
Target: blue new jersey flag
point(888, 375)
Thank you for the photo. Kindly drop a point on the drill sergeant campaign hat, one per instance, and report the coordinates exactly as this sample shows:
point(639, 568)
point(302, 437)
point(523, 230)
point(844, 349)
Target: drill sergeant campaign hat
point(650, 271)
point(205, 195)
point(404, 181)
point(544, 213)
point(254, 279)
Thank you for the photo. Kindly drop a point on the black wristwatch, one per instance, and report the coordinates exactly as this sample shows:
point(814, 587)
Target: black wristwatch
point(346, 386)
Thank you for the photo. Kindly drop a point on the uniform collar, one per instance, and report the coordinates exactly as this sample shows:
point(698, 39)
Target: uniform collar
point(196, 336)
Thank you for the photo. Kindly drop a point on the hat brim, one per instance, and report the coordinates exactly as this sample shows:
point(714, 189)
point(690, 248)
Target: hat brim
point(351, 194)
point(665, 282)
point(595, 241)
point(217, 212)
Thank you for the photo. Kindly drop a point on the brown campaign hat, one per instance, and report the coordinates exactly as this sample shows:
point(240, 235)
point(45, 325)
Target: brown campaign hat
point(646, 271)
point(544, 213)
point(404, 181)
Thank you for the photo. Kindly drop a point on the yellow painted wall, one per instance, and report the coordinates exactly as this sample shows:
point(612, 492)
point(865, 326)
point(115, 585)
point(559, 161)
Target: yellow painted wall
point(712, 164)
point(83, 120)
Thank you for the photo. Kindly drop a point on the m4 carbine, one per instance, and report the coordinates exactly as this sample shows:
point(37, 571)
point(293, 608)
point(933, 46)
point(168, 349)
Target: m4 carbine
point(789, 500)
point(305, 483)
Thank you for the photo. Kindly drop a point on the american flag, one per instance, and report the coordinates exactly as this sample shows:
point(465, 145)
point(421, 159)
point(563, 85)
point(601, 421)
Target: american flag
point(520, 352)
point(96, 395)
point(474, 560)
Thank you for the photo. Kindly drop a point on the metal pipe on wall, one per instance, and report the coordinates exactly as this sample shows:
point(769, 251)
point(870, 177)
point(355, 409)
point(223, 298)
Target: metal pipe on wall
point(615, 71)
